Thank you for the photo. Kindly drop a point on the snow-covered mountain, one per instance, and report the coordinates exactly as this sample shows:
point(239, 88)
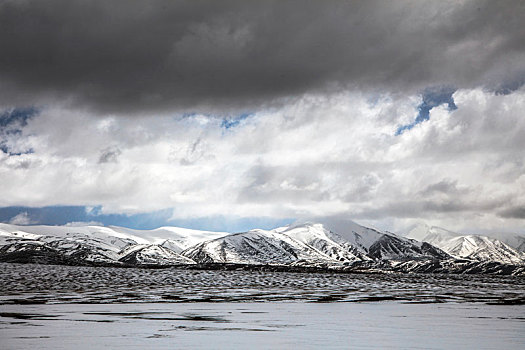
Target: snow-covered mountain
point(101, 245)
point(177, 238)
point(353, 247)
point(152, 254)
point(309, 244)
point(362, 242)
point(255, 247)
point(473, 247)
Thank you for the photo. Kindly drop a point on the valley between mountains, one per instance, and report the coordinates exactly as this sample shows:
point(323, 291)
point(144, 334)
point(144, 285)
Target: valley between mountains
point(298, 247)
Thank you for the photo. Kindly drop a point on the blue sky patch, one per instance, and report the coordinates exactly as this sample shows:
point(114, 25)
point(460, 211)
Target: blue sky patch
point(11, 123)
point(16, 117)
point(61, 215)
point(228, 123)
point(432, 97)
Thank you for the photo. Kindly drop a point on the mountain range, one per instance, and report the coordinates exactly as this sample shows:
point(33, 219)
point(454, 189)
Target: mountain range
point(472, 247)
point(302, 245)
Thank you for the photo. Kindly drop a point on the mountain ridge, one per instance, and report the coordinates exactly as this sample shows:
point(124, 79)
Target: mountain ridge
point(300, 244)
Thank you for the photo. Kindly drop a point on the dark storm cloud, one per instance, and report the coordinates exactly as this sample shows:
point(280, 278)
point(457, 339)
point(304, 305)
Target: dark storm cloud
point(124, 56)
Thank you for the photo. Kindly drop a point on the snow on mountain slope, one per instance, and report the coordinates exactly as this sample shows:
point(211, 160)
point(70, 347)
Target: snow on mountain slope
point(89, 243)
point(483, 248)
point(317, 237)
point(256, 247)
point(31, 251)
point(174, 238)
point(101, 244)
point(361, 242)
point(311, 243)
point(392, 247)
point(97, 234)
point(153, 254)
point(474, 247)
point(8, 232)
point(114, 236)
point(305, 244)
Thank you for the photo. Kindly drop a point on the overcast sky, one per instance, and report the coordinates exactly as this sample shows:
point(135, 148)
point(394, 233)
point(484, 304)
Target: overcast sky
point(236, 114)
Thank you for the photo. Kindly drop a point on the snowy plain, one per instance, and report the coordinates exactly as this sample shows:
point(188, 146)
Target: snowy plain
point(273, 325)
point(65, 307)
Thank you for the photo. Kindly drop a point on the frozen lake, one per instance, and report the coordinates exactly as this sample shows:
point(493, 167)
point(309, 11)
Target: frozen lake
point(60, 307)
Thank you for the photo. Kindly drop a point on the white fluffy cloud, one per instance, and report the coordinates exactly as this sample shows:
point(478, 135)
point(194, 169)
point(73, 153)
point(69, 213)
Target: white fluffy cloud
point(317, 157)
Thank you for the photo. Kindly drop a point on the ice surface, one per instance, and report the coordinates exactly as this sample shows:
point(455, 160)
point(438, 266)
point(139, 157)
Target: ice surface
point(262, 326)
point(65, 307)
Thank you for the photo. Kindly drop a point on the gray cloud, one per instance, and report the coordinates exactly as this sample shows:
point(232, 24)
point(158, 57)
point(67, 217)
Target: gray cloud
point(319, 156)
point(297, 184)
point(109, 155)
point(513, 212)
point(194, 152)
point(135, 56)
point(445, 186)
point(429, 208)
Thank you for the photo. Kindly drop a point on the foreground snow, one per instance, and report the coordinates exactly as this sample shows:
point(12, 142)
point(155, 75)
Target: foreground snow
point(269, 325)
